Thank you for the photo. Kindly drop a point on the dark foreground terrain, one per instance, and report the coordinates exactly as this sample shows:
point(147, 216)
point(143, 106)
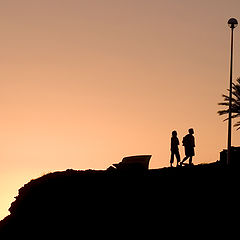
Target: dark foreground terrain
point(124, 204)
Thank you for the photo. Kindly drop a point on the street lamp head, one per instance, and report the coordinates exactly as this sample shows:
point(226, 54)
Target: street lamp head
point(232, 22)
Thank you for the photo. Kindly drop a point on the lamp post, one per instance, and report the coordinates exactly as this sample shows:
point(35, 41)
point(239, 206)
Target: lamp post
point(232, 23)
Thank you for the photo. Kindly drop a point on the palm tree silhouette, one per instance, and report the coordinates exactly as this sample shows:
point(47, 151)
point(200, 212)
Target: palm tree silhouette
point(235, 103)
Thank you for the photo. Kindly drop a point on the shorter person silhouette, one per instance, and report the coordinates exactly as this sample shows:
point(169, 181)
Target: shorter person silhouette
point(174, 148)
point(189, 145)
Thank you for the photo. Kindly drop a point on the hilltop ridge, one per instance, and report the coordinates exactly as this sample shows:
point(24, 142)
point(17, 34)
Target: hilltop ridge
point(77, 200)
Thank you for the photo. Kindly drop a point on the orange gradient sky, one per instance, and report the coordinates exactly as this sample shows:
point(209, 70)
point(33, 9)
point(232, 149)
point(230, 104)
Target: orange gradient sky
point(86, 82)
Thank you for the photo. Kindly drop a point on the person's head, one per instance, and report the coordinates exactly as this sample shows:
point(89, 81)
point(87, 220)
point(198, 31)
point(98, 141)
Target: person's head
point(191, 131)
point(174, 133)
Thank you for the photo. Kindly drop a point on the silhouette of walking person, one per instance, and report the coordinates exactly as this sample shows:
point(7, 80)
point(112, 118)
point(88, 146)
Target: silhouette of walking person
point(174, 148)
point(189, 145)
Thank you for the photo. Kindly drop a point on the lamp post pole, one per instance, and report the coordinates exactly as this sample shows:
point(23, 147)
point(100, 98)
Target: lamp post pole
point(232, 24)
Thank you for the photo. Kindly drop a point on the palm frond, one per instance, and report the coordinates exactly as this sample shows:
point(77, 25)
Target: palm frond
point(221, 112)
point(237, 125)
point(235, 103)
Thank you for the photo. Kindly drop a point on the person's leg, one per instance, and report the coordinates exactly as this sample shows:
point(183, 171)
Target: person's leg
point(172, 159)
point(190, 160)
point(178, 157)
point(184, 159)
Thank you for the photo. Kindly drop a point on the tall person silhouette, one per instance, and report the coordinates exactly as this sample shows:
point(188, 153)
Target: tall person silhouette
point(189, 145)
point(174, 148)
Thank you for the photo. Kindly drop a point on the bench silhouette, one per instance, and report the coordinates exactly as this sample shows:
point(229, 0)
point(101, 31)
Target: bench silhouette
point(139, 162)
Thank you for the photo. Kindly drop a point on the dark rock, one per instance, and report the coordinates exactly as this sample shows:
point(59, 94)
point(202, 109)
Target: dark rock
point(94, 202)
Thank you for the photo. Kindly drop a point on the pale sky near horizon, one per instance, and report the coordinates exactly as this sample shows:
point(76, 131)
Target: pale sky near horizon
point(85, 83)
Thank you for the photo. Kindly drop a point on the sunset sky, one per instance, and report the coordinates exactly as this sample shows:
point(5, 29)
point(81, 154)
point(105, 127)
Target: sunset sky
point(85, 83)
